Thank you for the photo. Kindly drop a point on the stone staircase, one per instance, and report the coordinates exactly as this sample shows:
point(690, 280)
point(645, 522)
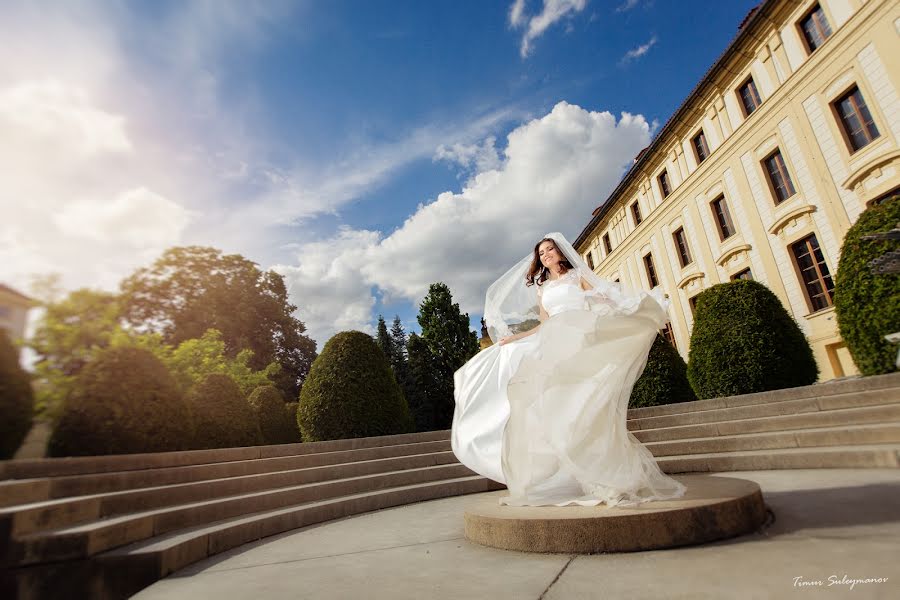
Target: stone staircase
point(105, 527)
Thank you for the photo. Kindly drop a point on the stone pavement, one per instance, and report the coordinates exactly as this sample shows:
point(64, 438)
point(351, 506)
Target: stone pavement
point(828, 523)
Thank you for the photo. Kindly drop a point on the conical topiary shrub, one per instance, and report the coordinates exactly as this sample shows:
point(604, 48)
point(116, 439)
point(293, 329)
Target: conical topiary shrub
point(868, 305)
point(744, 341)
point(124, 401)
point(351, 392)
point(16, 399)
point(275, 424)
point(664, 380)
point(290, 411)
point(222, 417)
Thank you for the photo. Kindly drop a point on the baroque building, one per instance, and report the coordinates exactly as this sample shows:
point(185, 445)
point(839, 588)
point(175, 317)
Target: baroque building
point(761, 171)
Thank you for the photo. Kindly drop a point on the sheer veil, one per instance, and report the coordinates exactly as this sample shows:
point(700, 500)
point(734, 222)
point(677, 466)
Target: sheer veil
point(511, 306)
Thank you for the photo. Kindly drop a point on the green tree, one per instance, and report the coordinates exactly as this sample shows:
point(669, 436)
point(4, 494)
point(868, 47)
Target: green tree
point(191, 289)
point(71, 331)
point(123, 401)
point(420, 383)
point(868, 304)
point(16, 399)
point(276, 423)
point(744, 341)
point(351, 392)
point(446, 333)
point(221, 414)
point(384, 339)
point(664, 380)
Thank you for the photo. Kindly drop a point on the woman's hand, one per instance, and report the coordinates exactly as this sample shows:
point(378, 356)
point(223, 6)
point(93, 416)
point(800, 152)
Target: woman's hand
point(505, 340)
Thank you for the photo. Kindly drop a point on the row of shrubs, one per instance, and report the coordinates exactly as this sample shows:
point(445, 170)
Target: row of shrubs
point(744, 341)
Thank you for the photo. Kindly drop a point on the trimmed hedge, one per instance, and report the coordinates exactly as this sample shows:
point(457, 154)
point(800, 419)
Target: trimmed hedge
point(290, 410)
point(124, 401)
point(664, 380)
point(351, 392)
point(744, 341)
point(16, 399)
point(222, 417)
point(868, 305)
point(275, 424)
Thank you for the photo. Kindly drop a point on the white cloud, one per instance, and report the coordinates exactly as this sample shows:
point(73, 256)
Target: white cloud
point(627, 5)
point(137, 218)
point(517, 13)
point(553, 11)
point(477, 158)
point(556, 170)
point(639, 51)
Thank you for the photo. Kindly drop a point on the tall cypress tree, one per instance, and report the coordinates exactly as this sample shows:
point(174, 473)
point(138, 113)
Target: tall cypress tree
point(450, 342)
point(420, 386)
point(384, 340)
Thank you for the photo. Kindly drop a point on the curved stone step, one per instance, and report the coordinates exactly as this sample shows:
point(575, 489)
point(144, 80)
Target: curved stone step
point(825, 436)
point(836, 457)
point(64, 512)
point(54, 467)
point(838, 417)
point(784, 407)
point(829, 388)
point(77, 485)
point(81, 541)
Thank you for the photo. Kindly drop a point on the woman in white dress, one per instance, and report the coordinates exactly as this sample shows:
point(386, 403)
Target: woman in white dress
point(543, 410)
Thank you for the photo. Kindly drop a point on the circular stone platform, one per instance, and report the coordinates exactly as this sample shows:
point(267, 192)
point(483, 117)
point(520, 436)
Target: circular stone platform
point(713, 508)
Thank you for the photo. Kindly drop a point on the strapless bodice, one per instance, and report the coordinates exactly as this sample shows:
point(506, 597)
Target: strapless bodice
point(563, 294)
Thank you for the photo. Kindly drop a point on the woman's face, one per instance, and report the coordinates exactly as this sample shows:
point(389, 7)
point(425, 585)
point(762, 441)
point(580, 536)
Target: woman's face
point(549, 254)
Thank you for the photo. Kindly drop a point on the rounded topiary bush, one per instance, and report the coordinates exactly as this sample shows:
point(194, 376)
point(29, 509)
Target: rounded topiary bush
point(222, 416)
point(744, 341)
point(351, 392)
point(16, 399)
point(275, 423)
point(124, 401)
point(664, 380)
point(868, 305)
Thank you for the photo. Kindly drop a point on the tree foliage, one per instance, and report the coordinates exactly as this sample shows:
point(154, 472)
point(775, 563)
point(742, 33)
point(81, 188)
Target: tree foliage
point(744, 341)
point(351, 392)
point(664, 380)
point(446, 334)
point(222, 416)
point(276, 423)
point(868, 305)
point(123, 401)
point(16, 399)
point(421, 385)
point(191, 289)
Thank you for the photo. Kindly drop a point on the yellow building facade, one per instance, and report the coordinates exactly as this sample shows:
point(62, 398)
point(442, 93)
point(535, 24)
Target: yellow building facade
point(765, 166)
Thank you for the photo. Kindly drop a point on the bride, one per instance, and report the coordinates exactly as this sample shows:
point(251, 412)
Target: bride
point(543, 410)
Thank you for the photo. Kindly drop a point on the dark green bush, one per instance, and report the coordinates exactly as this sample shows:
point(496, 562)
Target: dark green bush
point(124, 401)
point(275, 424)
point(290, 409)
point(16, 399)
point(868, 305)
point(744, 341)
point(222, 416)
point(351, 392)
point(664, 380)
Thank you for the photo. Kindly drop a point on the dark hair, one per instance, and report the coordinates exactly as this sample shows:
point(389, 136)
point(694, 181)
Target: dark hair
point(536, 273)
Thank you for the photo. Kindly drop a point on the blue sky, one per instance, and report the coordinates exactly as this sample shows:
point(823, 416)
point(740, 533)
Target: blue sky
point(362, 148)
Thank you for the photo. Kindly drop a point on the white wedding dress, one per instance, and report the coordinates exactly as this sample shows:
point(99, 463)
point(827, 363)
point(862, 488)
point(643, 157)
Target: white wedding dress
point(546, 414)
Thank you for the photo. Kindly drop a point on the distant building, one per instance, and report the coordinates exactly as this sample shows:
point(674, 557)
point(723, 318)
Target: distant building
point(761, 171)
point(13, 311)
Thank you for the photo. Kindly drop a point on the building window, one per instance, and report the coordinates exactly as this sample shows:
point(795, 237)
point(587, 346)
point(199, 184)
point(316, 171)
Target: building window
point(606, 243)
point(5, 312)
point(815, 28)
point(590, 260)
point(856, 120)
point(723, 218)
point(617, 280)
point(779, 179)
point(636, 213)
point(692, 301)
point(749, 95)
point(665, 186)
point(651, 270)
point(701, 150)
point(814, 274)
point(684, 253)
point(668, 334)
point(745, 274)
